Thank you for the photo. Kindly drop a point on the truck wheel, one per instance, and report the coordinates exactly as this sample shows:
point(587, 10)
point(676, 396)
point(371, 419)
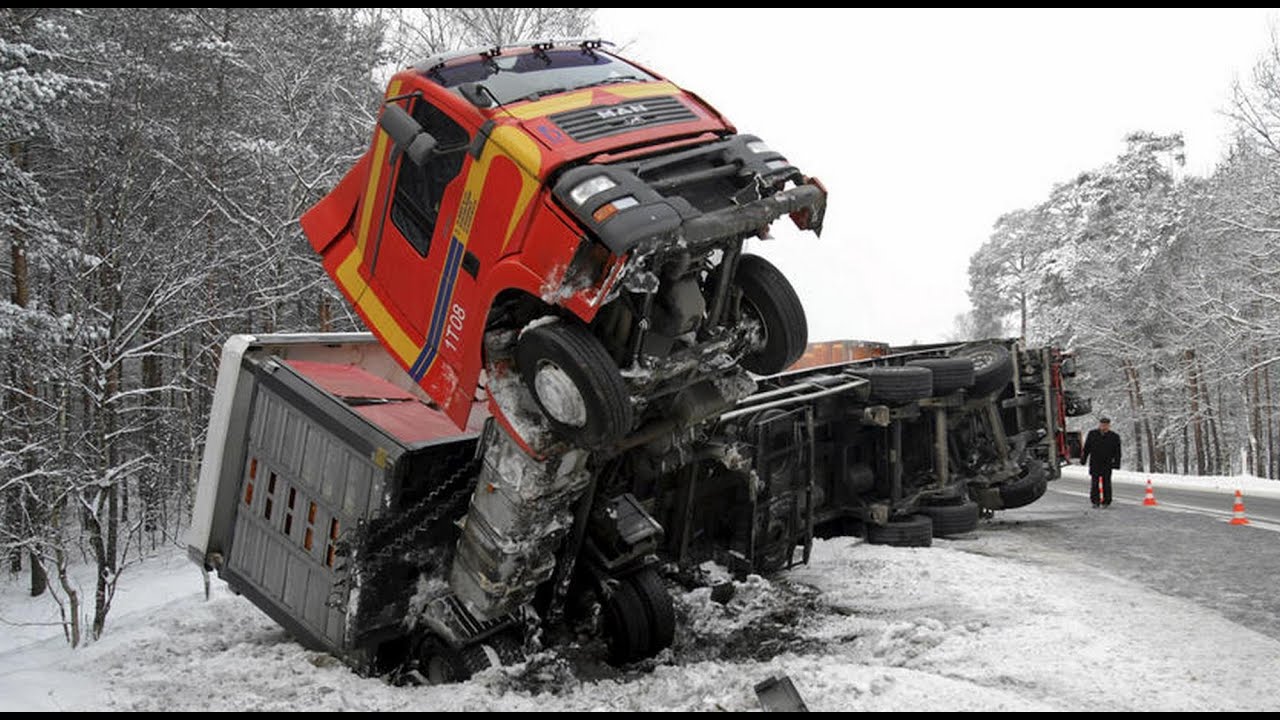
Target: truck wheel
point(992, 367)
point(954, 519)
point(626, 624)
point(910, 531)
point(658, 609)
point(443, 665)
point(509, 646)
point(1026, 489)
point(768, 298)
point(898, 384)
point(949, 374)
point(575, 382)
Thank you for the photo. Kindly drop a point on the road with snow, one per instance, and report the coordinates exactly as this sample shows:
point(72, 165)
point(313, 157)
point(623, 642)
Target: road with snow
point(1264, 510)
point(1055, 606)
point(1182, 547)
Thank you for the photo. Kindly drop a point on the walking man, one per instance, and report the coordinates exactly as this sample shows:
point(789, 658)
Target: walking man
point(1102, 453)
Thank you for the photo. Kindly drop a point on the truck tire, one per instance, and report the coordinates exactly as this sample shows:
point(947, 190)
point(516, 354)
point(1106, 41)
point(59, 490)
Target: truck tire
point(767, 296)
point(992, 367)
point(509, 646)
point(626, 624)
point(910, 531)
point(898, 384)
point(949, 374)
point(575, 382)
point(1026, 489)
point(658, 609)
point(953, 519)
point(442, 665)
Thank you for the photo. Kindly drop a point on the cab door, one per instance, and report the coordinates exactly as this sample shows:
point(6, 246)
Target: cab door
point(413, 262)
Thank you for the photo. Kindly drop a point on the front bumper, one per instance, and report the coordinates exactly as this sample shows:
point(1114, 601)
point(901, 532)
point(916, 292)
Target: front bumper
point(712, 192)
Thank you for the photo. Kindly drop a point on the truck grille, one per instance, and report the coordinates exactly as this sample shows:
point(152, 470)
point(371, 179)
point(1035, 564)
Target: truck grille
point(600, 121)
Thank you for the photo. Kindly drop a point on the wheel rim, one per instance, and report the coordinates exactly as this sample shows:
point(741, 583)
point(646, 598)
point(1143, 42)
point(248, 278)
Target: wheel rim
point(559, 395)
point(981, 359)
point(751, 312)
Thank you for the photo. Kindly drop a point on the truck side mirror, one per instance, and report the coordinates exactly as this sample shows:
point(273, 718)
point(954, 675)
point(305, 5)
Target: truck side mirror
point(477, 94)
point(407, 134)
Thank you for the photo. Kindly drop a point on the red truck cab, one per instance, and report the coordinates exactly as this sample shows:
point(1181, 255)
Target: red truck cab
point(563, 215)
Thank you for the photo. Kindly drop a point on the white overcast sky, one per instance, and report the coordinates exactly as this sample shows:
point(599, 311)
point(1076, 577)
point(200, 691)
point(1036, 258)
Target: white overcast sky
point(927, 125)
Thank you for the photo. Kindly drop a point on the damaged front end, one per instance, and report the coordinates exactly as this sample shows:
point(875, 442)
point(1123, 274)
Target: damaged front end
point(684, 315)
point(713, 192)
point(675, 223)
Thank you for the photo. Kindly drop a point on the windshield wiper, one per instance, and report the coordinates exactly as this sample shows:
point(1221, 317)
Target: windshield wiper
point(535, 94)
point(609, 81)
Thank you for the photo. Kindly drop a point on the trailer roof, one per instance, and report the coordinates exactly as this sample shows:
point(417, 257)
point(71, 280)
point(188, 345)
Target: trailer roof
point(348, 381)
point(392, 409)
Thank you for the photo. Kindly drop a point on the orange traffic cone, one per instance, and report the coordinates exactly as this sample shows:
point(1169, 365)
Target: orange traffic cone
point(1150, 499)
point(1237, 511)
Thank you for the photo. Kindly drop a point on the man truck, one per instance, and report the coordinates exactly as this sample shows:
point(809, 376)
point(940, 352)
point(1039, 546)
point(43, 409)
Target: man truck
point(577, 384)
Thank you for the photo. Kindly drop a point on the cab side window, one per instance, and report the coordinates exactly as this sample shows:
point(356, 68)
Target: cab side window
point(419, 189)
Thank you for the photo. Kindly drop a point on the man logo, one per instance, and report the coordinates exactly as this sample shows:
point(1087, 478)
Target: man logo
point(623, 111)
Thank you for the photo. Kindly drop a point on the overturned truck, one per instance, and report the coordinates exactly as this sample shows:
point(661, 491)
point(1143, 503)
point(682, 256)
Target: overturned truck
point(576, 386)
point(340, 500)
point(915, 444)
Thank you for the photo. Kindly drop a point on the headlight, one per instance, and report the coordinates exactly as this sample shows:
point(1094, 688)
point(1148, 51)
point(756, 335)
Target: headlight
point(590, 187)
point(758, 147)
point(776, 164)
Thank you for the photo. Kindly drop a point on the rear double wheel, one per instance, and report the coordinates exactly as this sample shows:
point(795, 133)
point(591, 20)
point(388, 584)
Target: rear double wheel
point(909, 531)
point(1026, 489)
point(949, 374)
point(899, 384)
point(639, 618)
point(992, 367)
point(441, 664)
point(955, 517)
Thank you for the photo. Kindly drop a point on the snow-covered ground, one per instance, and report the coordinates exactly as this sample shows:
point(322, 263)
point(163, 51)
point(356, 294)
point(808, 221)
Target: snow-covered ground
point(977, 623)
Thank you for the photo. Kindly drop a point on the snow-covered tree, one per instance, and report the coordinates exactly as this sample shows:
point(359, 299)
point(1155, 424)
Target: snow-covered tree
point(417, 33)
point(1168, 285)
point(32, 90)
point(154, 167)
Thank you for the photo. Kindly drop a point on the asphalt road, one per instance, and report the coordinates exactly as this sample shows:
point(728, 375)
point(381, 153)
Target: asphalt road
point(1262, 510)
point(1183, 547)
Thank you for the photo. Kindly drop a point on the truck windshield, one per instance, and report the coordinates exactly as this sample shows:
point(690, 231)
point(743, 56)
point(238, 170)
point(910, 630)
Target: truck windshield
point(530, 75)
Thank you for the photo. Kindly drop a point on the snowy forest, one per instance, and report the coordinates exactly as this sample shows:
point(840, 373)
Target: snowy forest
point(1168, 286)
point(155, 164)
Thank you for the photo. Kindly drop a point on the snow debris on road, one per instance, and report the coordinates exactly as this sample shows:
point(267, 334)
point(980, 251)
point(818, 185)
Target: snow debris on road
point(965, 625)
